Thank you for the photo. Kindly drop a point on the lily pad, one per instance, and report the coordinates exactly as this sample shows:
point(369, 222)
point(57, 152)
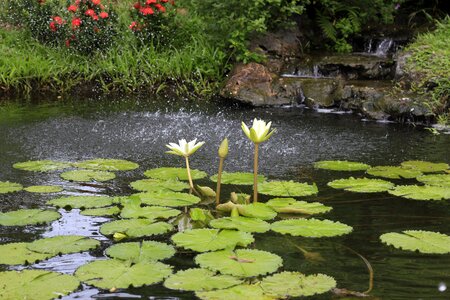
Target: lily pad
point(42, 165)
point(341, 165)
point(436, 180)
point(425, 166)
point(28, 217)
point(291, 206)
point(418, 240)
point(287, 189)
point(362, 185)
point(295, 284)
point(158, 185)
point(43, 189)
point(103, 211)
point(202, 240)
point(393, 172)
point(239, 292)
point(102, 164)
point(200, 280)
point(149, 212)
point(241, 223)
point(238, 178)
point(141, 251)
point(9, 187)
point(36, 284)
point(254, 210)
point(82, 201)
point(426, 192)
point(135, 227)
point(311, 228)
point(88, 175)
point(241, 262)
point(173, 199)
point(19, 254)
point(63, 244)
point(174, 173)
point(117, 274)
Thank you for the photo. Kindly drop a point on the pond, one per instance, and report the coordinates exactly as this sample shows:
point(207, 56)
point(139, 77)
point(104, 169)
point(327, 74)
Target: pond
point(138, 130)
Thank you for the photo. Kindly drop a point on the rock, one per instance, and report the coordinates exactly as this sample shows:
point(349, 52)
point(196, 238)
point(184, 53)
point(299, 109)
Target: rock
point(320, 92)
point(401, 59)
point(283, 43)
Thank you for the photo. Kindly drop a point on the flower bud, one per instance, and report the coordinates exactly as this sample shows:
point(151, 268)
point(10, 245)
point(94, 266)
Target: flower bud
point(223, 149)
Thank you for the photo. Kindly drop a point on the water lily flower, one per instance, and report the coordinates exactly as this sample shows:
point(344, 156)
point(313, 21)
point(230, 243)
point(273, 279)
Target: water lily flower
point(259, 132)
point(184, 148)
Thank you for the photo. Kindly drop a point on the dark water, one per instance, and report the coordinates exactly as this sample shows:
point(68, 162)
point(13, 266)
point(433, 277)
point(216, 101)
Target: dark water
point(138, 130)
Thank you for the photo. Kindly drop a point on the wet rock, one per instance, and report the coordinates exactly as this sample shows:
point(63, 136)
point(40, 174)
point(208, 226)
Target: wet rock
point(400, 70)
point(320, 92)
point(282, 43)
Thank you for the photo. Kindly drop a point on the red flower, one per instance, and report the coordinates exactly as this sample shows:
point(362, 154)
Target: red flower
point(164, 1)
point(137, 5)
point(134, 26)
point(76, 22)
point(146, 11)
point(96, 2)
point(160, 7)
point(58, 20)
point(148, 2)
point(95, 17)
point(103, 15)
point(53, 26)
point(90, 12)
point(67, 43)
point(72, 8)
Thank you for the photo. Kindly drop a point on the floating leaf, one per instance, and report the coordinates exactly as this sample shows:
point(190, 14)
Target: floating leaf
point(28, 217)
point(103, 211)
point(63, 244)
point(135, 227)
point(393, 172)
point(425, 166)
point(418, 240)
point(19, 254)
point(141, 251)
point(149, 212)
point(295, 284)
point(311, 228)
point(174, 173)
point(101, 164)
point(254, 210)
point(87, 175)
point(167, 199)
point(158, 185)
point(241, 262)
point(436, 180)
point(82, 201)
point(426, 192)
point(44, 189)
point(117, 274)
point(36, 284)
point(241, 223)
point(238, 178)
point(42, 165)
point(290, 205)
point(362, 185)
point(201, 215)
point(287, 189)
point(202, 240)
point(341, 165)
point(200, 280)
point(9, 187)
point(240, 198)
point(239, 292)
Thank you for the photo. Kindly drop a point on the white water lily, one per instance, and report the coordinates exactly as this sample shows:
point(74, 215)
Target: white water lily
point(259, 131)
point(184, 148)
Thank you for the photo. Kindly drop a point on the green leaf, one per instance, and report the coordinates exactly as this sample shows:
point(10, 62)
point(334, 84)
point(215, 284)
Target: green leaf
point(87, 175)
point(141, 251)
point(28, 217)
point(200, 280)
point(426, 192)
point(150, 212)
point(436, 180)
point(42, 165)
point(361, 185)
point(254, 210)
point(43, 189)
point(291, 206)
point(341, 165)
point(201, 215)
point(241, 224)
point(116, 274)
point(238, 178)
point(82, 201)
point(135, 228)
point(424, 166)
point(202, 240)
point(393, 172)
point(9, 187)
point(63, 244)
point(101, 164)
point(418, 240)
point(241, 262)
point(36, 284)
point(159, 186)
point(174, 174)
point(287, 189)
point(173, 199)
point(103, 211)
point(239, 292)
point(19, 254)
point(295, 284)
point(311, 228)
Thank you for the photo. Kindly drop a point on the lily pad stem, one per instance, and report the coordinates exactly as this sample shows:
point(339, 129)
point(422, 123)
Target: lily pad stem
point(219, 179)
point(189, 173)
point(255, 174)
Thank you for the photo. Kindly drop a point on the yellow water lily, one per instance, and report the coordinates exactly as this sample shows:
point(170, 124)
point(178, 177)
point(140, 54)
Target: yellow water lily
point(183, 148)
point(259, 132)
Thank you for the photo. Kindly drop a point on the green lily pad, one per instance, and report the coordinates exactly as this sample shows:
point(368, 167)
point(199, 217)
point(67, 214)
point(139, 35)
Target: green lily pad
point(254, 210)
point(311, 228)
point(425, 166)
point(103, 211)
point(36, 284)
point(287, 189)
point(341, 165)
point(436, 180)
point(241, 223)
point(425, 192)
point(141, 251)
point(291, 206)
point(361, 185)
point(174, 174)
point(135, 227)
point(241, 262)
point(19, 254)
point(117, 274)
point(159, 186)
point(238, 178)
point(295, 284)
point(44, 189)
point(200, 280)
point(63, 244)
point(101, 164)
point(418, 240)
point(149, 212)
point(82, 201)
point(202, 240)
point(88, 175)
point(393, 172)
point(28, 217)
point(9, 187)
point(239, 292)
point(42, 165)
point(173, 199)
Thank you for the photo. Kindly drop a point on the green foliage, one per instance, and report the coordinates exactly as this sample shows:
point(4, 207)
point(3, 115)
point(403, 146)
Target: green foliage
point(82, 201)
point(149, 212)
point(174, 174)
point(287, 188)
point(141, 251)
point(425, 166)
point(291, 206)
point(436, 180)
point(88, 175)
point(173, 199)
point(341, 165)
point(159, 185)
point(19, 254)
point(103, 211)
point(135, 228)
point(393, 172)
point(311, 228)
point(102, 164)
point(9, 187)
point(426, 192)
point(417, 240)
point(63, 244)
point(238, 178)
point(254, 210)
point(361, 185)
point(239, 292)
point(28, 217)
point(42, 165)
point(241, 224)
point(43, 189)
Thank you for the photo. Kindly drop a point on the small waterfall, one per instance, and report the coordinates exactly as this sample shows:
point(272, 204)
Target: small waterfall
point(368, 46)
point(384, 46)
